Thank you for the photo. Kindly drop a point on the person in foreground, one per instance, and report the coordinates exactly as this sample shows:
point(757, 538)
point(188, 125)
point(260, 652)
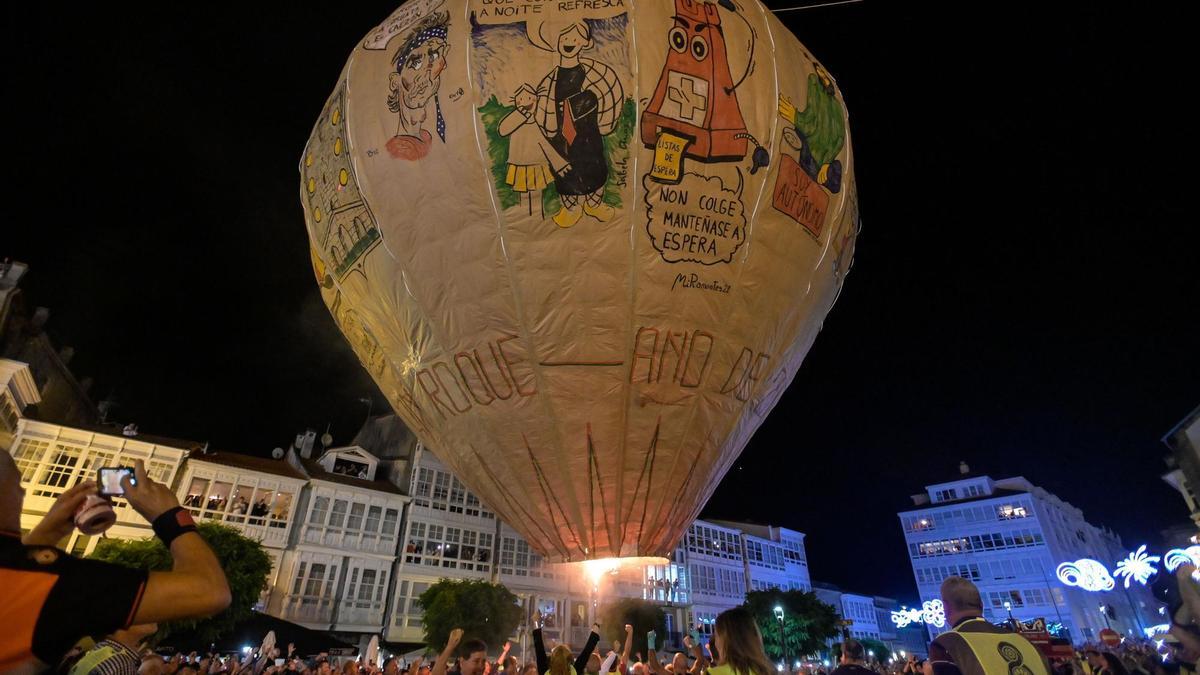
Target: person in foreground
point(853, 660)
point(974, 646)
point(53, 600)
point(737, 645)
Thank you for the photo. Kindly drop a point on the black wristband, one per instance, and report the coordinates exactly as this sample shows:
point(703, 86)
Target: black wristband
point(172, 523)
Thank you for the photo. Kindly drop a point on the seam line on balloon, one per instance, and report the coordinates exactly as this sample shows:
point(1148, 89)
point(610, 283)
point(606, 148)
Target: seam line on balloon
point(635, 69)
point(519, 306)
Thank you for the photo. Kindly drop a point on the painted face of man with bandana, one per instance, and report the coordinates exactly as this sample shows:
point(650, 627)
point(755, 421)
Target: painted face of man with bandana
point(420, 73)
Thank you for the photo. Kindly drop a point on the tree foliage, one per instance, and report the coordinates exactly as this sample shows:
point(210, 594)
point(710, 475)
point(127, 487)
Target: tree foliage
point(807, 622)
point(244, 560)
point(485, 611)
point(643, 615)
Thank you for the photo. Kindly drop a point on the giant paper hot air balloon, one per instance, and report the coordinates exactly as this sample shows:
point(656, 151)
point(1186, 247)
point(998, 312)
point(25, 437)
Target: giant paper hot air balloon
point(582, 246)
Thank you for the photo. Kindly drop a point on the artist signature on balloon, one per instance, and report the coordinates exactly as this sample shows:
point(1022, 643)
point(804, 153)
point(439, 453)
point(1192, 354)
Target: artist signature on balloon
point(693, 281)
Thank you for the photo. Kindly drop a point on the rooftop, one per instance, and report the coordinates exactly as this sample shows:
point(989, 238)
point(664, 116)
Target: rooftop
point(386, 437)
point(117, 432)
point(278, 467)
point(997, 493)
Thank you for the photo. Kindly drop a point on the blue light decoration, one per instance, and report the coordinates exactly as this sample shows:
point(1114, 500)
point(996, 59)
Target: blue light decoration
point(1087, 574)
point(1157, 630)
point(1181, 556)
point(931, 612)
point(1139, 566)
point(907, 616)
point(934, 613)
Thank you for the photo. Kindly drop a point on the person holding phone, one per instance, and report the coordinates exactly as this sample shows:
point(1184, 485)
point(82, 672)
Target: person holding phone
point(54, 599)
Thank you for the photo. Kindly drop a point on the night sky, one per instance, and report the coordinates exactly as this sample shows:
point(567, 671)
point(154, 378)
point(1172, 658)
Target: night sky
point(1024, 295)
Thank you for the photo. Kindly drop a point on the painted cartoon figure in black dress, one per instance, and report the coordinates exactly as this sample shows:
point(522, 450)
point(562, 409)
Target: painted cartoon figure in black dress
point(579, 103)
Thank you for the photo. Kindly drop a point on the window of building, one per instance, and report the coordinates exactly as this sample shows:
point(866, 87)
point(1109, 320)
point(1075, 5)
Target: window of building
point(337, 515)
point(390, 516)
point(58, 473)
point(945, 495)
point(1010, 511)
point(408, 603)
point(315, 584)
point(196, 491)
point(9, 415)
point(320, 508)
point(217, 499)
point(353, 468)
point(372, 522)
point(354, 522)
point(27, 456)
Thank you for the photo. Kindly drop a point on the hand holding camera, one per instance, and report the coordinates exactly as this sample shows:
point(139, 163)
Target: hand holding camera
point(149, 498)
point(60, 519)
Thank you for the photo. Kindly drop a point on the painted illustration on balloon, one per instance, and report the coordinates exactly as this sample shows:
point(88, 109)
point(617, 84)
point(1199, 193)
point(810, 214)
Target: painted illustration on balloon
point(696, 97)
point(362, 340)
point(413, 87)
point(695, 114)
point(564, 134)
point(810, 170)
point(533, 161)
point(342, 227)
point(818, 132)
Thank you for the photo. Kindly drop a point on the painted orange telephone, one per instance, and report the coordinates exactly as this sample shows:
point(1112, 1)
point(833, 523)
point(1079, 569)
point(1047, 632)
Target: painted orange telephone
point(695, 97)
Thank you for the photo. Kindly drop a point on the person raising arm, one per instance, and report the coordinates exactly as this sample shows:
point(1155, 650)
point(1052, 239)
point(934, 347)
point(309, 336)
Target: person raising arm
point(48, 588)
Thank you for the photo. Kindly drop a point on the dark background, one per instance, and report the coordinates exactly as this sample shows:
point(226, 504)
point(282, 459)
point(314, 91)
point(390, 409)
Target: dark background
point(1024, 296)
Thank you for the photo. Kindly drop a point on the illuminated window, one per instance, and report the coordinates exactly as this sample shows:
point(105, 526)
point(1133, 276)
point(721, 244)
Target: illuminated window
point(1010, 511)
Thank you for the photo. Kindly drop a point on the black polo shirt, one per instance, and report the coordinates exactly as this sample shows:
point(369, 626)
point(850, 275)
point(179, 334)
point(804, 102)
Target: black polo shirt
point(51, 600)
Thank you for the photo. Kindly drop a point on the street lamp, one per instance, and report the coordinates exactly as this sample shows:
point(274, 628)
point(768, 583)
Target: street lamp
point(1008, 608)
point(782, 644)
point(1104, 613)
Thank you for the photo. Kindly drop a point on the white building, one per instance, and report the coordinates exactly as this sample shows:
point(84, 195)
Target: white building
point(17, 390)
point(256, 495)
point(775, 557)
point(858, 610)
point(53, 457)
point(358, 533)
point(338, 571)
point(1008, 536)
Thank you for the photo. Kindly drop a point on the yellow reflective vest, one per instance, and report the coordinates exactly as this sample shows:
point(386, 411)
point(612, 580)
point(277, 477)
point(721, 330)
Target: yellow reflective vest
point(979, 648)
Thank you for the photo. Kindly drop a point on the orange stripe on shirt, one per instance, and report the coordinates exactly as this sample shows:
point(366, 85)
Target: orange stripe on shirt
point(137, 602)
point(26, 594)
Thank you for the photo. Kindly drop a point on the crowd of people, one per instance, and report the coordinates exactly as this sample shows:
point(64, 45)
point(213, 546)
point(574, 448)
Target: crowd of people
point(83, 617)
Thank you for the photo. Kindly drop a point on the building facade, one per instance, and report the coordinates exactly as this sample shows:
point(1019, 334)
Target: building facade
point(1008, 536)
point(1184, 462)
point(53, 457)
point(357, 533)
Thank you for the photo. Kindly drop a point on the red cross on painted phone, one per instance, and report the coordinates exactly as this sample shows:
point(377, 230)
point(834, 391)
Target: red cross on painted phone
point(695, 96)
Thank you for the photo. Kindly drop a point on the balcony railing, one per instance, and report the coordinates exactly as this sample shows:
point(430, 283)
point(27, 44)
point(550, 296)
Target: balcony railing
point(273, 533)
point(352, 618)
point(307, 610)
point(349, 540)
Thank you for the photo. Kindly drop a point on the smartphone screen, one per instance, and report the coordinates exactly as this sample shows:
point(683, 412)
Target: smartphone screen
point(108, 480)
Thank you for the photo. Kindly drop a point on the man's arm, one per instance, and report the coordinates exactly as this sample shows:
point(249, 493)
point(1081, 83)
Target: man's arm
point(196, 584)
point(586, 653)
point(692, 642)
point(628, 646)
point(651, 657)
point(503, 656)
point(439, 666)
